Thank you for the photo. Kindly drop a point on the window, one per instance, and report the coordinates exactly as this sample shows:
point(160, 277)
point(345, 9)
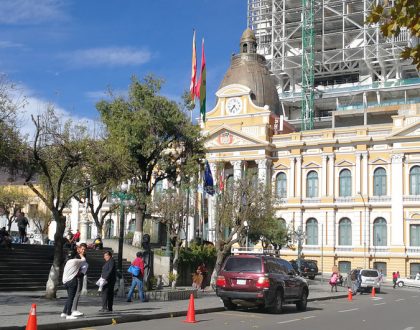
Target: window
point(414, 269)
point(229, 182)
point(109, 228)
point(344, 232)
point(379, 232)
point(415, 180)
point(345, 183)
point(379, 182)
point(159, 187)
point(132, 225)
point(414, 235)
point(281, 185)
point(312, 232)
point(251, 265)
point(380, 266)
point(312, 184)
point(344, 267)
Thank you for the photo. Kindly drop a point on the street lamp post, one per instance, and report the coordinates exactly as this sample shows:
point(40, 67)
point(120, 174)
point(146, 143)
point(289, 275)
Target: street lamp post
point(124, 199)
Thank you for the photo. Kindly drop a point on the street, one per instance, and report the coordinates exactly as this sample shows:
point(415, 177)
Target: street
point(393, 309)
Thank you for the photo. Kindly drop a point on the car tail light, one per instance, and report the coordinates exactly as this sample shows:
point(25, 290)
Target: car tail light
point(305, 269)
point(263, 283)
point(221, 281)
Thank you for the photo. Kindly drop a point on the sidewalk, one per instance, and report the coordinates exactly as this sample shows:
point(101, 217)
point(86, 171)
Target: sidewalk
point(15, 307)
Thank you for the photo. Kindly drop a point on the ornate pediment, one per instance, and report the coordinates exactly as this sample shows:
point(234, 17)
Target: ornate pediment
point(225, 136)
point(311, 165)
point(281, 167)
point(379, 161)
point(410, 130)
point(344, 163)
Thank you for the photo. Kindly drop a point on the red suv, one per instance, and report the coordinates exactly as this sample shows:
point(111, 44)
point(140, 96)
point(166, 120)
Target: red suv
point(260, 280)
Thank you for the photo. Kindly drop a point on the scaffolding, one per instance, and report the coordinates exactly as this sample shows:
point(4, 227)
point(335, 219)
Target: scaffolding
point(352, 62)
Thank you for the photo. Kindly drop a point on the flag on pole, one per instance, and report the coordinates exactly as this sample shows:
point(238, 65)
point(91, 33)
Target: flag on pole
point(193, 71)
point(201, 86)
point(208, 180)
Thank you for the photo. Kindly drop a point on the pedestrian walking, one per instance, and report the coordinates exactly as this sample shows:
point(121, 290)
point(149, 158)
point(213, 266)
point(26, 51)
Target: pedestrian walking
point(81, 251)
point(333, 281)
point(71, 269)
point(22, 223)
point(109, 273)
point(394, 279)
point(137, 278)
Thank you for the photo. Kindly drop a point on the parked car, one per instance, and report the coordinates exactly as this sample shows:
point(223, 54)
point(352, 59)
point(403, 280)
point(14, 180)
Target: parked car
point(409, 282)
point(308, 268)
point(370, 278)
point(260, 280)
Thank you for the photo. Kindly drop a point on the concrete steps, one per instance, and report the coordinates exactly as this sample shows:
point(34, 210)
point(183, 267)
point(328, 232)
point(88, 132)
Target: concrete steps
point(26, 267)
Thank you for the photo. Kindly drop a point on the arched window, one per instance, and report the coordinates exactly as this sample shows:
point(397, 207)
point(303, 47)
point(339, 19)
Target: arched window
point(229, 182)
point(344, 232)
point(379, 182)
point(282, 223)
point(312, 232)
point(281, 185)
point(312, 184)
point(379, 232)
point(415, 180)
point(159, 187)
point(245, 48)
point(345, 183)
point(132, 225)
point(109, 228)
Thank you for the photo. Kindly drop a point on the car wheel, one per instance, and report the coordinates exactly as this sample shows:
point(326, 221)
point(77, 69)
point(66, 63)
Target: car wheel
point(311, 277)
point(229, 305)
point(301, 305)
point(400, 284)
point(277, 307)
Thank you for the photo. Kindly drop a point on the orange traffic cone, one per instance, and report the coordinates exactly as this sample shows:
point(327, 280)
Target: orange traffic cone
point(191, 311)
point(32, 324)
point(350, 295)
point(373, 292)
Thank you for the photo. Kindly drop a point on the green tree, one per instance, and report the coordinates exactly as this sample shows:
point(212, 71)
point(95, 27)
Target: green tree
point(392, 19)
point(12, 146)
point(153, 135)
point(56, 172)
point(243, 204)
point(12, 199)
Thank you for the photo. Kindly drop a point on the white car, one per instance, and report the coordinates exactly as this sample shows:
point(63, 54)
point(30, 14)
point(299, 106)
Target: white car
point(409, 282)
point(370, 279)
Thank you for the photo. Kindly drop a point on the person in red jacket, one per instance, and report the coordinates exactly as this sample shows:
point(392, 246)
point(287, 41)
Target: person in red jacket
point(137, 280)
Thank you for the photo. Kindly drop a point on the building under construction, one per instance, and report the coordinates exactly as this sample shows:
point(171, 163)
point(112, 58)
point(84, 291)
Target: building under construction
point(333, 69)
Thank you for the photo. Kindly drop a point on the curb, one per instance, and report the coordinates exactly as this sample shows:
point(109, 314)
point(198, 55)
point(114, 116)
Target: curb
point(84, 323)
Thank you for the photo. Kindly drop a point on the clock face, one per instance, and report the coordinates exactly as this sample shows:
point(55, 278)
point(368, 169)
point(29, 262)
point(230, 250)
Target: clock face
point(234, 105)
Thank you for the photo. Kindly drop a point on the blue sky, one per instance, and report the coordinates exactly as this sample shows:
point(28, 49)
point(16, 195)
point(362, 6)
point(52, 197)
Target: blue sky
point(69, 52)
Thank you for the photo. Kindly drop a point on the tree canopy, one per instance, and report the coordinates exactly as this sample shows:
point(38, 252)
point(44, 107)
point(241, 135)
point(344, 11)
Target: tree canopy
point(153, 135)
point(392, 19)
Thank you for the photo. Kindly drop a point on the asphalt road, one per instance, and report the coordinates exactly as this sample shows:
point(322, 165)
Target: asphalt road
point(393, 309)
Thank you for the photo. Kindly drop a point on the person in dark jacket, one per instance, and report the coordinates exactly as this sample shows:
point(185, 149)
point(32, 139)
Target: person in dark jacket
point(109, 273)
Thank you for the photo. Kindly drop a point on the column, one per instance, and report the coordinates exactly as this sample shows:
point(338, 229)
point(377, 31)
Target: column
point(237, 169)
point(263, 167)
point(291, 183)
point(324, 176)
point(212, 205)
point(299, 176)
point(358, 158)
point(397, 220)
point(365, 174)
point(331, 175)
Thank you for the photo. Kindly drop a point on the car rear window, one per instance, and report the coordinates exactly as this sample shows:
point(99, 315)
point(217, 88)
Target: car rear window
point(251, 265)
point(312, 264)
point(369, 273)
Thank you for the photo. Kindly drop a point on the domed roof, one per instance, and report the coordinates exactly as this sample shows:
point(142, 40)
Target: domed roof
point(250, 69)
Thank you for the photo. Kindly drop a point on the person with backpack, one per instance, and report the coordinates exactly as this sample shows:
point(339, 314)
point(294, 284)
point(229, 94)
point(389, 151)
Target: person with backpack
point(137, 272)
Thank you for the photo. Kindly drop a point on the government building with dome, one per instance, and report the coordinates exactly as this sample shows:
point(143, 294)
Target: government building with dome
point(353, 188)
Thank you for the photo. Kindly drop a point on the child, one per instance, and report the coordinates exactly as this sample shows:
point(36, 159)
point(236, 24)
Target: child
point(333, 281)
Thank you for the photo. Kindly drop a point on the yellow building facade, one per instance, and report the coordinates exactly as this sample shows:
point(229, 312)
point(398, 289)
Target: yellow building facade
point(355, 191)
